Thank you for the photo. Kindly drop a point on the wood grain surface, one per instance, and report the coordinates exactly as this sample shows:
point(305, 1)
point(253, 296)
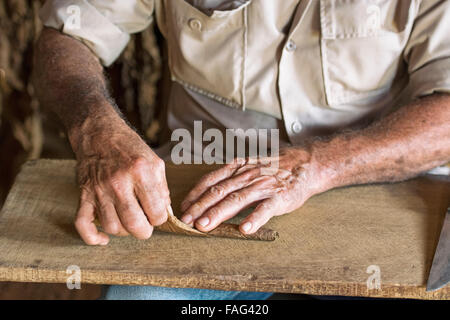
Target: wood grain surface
point(324, 248)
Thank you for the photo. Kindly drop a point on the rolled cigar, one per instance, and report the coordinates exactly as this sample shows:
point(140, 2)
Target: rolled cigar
point(224, 230)
point(173, 225)
point(228, 230)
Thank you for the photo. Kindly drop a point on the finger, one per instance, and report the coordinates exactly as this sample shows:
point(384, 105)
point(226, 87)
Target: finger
point(260, 216)
point(208, 181)
point(132, 217)
point(154, 202)
point(217, 193)
point(151, 189)
point(108, 217)
point(84, 223)
point(232, 205)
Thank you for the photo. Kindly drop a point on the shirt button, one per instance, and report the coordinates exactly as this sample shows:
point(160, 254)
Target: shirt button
point(195, 24)
point(296, 127)
point(291, 46)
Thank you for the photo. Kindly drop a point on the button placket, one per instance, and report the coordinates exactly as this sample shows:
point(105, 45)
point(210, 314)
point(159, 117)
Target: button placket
point(296, 130)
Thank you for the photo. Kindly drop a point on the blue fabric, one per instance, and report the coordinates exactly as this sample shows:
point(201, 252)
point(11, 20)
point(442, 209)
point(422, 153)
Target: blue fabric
point(161, 293)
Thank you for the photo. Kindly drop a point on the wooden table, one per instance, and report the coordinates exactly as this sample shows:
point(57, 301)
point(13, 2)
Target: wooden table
point(325, 248)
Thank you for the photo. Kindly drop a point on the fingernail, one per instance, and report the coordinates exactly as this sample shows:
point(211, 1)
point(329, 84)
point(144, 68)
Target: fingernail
point(246, 226)
point(187, 219)
point(203, 221)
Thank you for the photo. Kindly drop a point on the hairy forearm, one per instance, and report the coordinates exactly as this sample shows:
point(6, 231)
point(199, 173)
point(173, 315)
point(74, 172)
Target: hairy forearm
point(122, 180)
point(69, 81)
point(409, 141)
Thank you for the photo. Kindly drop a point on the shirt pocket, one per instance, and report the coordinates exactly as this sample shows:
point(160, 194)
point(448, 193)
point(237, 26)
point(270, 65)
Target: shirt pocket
point(362, 42)
point(207, 50)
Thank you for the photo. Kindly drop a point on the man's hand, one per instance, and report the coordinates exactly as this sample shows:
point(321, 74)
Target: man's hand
point(222, 194)
point(414, 139)
point(123, 182)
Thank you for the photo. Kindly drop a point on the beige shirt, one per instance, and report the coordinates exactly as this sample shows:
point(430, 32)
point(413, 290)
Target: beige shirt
point(317, 65)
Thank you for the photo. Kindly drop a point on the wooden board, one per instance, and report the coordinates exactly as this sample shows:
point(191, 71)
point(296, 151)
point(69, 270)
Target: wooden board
point(324, 248)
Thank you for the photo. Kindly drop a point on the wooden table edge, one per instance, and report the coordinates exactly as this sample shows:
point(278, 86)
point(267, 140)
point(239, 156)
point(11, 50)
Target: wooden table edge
point(232, 283)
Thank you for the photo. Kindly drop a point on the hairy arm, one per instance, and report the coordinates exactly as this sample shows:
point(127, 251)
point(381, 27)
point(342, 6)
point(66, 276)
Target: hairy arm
point(409, 141)
point(123, 182)
point(414, 139)
point(69, 81)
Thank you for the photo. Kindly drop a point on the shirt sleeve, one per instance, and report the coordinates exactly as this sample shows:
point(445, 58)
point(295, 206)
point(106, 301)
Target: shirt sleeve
point(428, 50)
point(103, 25)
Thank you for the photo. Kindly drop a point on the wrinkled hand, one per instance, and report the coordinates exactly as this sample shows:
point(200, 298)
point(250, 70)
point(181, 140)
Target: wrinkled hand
point(122, 182)
point(223, 193)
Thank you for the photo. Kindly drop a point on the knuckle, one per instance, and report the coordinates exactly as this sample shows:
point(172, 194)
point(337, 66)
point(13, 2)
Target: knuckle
point(117, 184)
point(160, 164)
point(133, 227)
point(125, 206)
point(252, 173)
point(99, 191)
point(145, 187)
point(133, 224)
point(157, 214)
point(159, 219)
point(197, 208)
point(83, 176)
point(259, 212)
point(158, 208)
point(112, 228)
point(80, 227)
point(102, 207)
point(79, 224)
point(262, 215)
point(213, 212)
point(185, 204)
point(86, 193)
point(236, 197)
point(218, 190)
point(140, 165)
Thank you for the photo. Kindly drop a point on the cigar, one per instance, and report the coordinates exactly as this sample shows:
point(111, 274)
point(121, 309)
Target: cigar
point(228, 230)
point(224, 230)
